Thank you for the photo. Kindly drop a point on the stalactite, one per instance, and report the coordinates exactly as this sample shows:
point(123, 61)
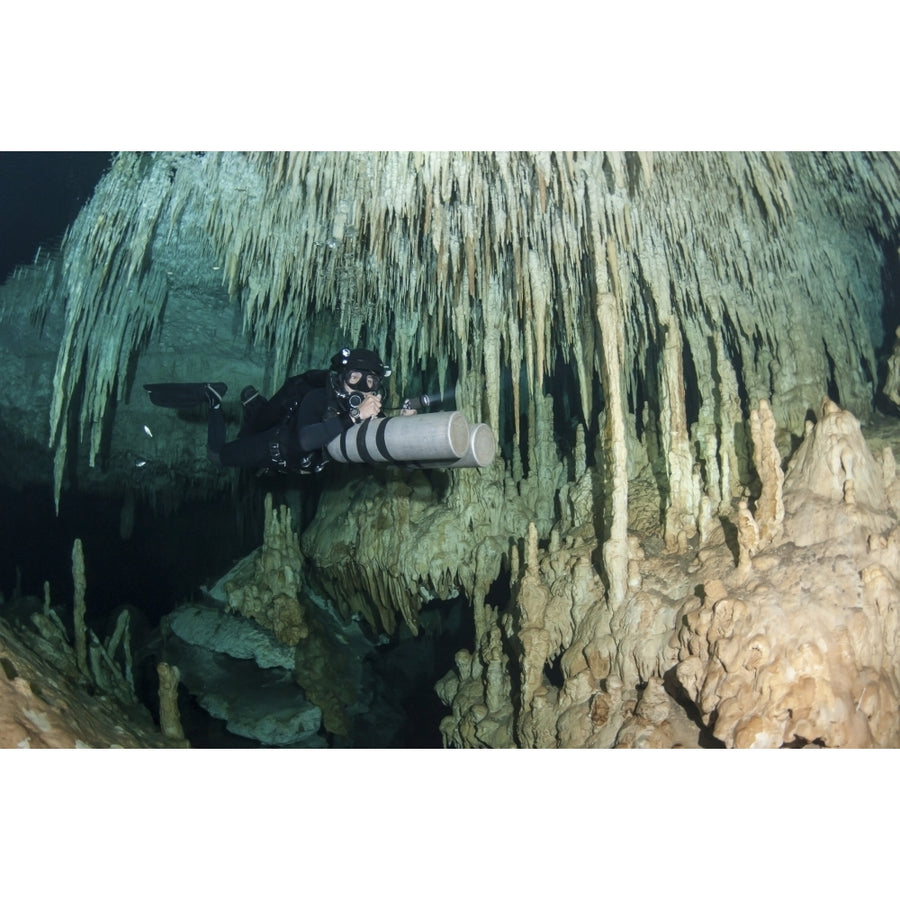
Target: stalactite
point(487, 265)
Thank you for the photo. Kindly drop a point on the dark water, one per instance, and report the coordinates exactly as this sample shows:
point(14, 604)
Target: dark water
point(40, 196)
point(163, 563)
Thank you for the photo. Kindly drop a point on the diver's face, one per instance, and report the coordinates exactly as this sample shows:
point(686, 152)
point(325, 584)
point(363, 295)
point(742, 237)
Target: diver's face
point(364, 382)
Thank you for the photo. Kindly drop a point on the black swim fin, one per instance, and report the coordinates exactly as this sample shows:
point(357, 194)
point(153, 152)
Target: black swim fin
point(181, 395)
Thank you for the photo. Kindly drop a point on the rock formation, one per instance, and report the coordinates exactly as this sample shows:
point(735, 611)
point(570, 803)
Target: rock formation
point(50, 697)
point(679, 542)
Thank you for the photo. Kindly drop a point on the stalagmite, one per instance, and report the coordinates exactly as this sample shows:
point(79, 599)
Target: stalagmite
point(770, 505)
point(80, 585)
point(169, 715)
point(266, 588)
point(44, 702)
point(748, 535)
point(533, 599)
point(683, 500)
point(791, 649)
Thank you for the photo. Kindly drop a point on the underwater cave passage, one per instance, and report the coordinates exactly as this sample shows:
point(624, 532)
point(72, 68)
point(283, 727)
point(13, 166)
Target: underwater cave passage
point(409, 667)
point(161, 564)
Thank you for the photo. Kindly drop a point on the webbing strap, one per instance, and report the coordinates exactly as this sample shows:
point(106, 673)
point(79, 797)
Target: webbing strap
point(380, 441)
point(361, 448)
point(343, 443)
point(380, 426)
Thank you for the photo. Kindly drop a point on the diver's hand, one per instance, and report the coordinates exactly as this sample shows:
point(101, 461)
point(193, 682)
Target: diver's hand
point(370, 407)
point(406, 411)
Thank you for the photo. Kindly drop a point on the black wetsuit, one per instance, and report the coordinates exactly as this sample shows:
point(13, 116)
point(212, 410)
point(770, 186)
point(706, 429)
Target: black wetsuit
point(281, 434)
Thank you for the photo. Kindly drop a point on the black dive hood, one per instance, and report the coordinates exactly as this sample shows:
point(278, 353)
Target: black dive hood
point(360, 360)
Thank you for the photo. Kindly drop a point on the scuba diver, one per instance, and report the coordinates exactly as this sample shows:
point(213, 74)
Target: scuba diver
point(290, 431)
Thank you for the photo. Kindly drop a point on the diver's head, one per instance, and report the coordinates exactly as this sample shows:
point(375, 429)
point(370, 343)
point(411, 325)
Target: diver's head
point(359, 371)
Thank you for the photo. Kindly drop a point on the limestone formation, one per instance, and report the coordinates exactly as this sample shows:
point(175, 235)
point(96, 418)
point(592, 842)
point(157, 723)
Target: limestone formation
point(169, 716)
point(240, 674)
point(384, 546)
point(266, 588)
point(665, 540)
point(800, 652)
point(769, 514)
point(615, 547)
point(789, 644)
point(45, 703)
point(74, 651)
point(80, 588)
point(416, 252)
point(269, 588)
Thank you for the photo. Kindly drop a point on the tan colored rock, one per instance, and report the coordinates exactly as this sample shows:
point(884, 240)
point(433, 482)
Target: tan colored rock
point(790, 644)
point(169, 716)
point(802, 651)
point(44, 707)
point(833, 453)
point(658, 722)
point(769, 513)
